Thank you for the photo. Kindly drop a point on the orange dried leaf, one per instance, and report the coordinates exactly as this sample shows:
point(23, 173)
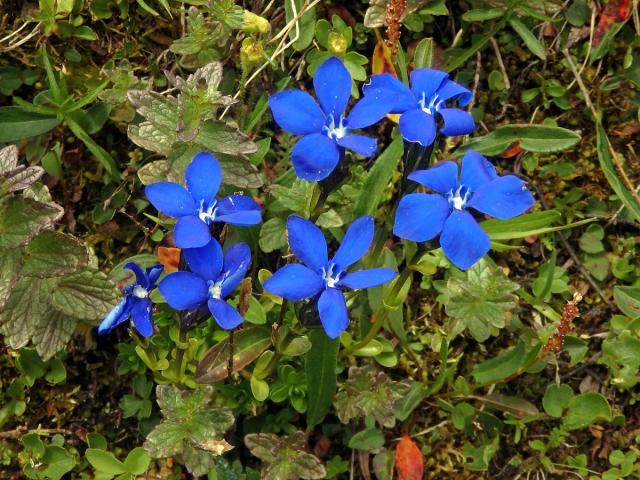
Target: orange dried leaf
point(409, 461)
point(169, 258)
point(381, 62)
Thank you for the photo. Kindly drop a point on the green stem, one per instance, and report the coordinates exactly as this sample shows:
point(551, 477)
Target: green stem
point(182, 339)
point(371, 334)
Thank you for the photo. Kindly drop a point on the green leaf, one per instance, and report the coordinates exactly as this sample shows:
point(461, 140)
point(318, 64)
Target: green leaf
point(25, 309)
point(21, 219)
point(529, 39)
point(459, 59)
point(104, 461)
point(53, 253)
point(285, 457)
point(515, 405)
point(556, 399)
point(273, 235)
point(532, 138)
point(87, 294)
point(482, 14)
point(375, 185)
point(622, 357)
point(610, 173)
point(627, 300)
point(17, 123)
point(248, 344)
point(505, 364)
point(219, 137)
point(407, 404)
point(137, 461)
point(320, 365)
point(100, 153)
point(166, 439)
point(304, 28)
point(586, 409)
point(368, 439)
point(527, 225)
point(52, 333)
point(10, 259)
point(423, 56)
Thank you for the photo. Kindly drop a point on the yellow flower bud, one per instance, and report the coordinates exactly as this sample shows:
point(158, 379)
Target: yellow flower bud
point(254, 23)
point(337, 43)
point(251, 51)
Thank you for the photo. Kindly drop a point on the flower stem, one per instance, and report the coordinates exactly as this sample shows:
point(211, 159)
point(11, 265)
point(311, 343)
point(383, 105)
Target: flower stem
point(371, 334)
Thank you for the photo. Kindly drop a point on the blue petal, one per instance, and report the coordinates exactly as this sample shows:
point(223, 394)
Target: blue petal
point(404, 97)
point(503, 198)
point(314, 157)
point(307, 242)
point(116, 316)
point(441, 178)
point(296, 112)
point(294, 282)
point(456, 122)
point(203, 177)
point(371, 277)
point(418, 126)
point(191, 232)
point(170, 198)
point(450, 90)
point(365, 146)
point(236, 262)
point(153, 273)
point(205, 261)
point(355, 243)
point(332, 84)
point(224, 314)
point(476, 171)
point(332, 308)
point(371, 108)
point(141, 276)
point(141, 316)
point(462, 239)
point(238, 210)
point(420, 216)
point(183, 290)
point(426, 81)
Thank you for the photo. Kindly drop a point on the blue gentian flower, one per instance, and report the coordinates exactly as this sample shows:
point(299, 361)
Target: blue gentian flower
point(324, 277)
point(422, 105)
point(422, 216)
point(196, 206)
point(136, 302)
point(325, 128)
point(212, 279)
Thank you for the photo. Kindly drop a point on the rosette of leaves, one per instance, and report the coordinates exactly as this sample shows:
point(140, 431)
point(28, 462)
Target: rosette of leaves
point(369, 392)
point(48, 285)
point(178, 127)
point(191, 428)
point(208, 36)
point(480, 301)
point(285, 457)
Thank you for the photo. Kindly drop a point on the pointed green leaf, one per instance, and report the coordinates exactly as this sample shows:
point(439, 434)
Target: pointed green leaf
point(320, 365)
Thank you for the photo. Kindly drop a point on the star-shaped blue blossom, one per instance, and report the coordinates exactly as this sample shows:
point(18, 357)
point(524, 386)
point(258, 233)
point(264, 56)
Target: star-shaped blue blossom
point(136, 302)
point(422, 105)
point(422, 216)
point(196, 206)
point(325, 128)
point(322, 277)
point(212, 278)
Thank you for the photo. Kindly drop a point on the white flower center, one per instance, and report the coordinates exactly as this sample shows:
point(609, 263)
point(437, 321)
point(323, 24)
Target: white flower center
point(458, 202)
point(140, 292)
point(215, 290)
point(336, 132)
point(458, 199)
point(330, 278)
point(207, 214)
point(432, 106)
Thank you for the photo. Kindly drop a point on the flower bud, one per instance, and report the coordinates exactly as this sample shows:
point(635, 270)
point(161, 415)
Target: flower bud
point(254, 23)
point(251, 51)
point(337, 43)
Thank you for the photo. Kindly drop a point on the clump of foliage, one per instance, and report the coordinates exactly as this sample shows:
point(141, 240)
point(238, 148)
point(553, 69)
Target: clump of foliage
point(312, 240)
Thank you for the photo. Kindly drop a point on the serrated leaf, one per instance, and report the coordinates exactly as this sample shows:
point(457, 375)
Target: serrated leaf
point(53, 253)
point(20, 178)
point(52, 333)
point(26, 307)
point(10, 259)
point(153, 172)
point(166, 440)
point(285, 457)
point(155, 108)
point(377, 11)
point(8, 158)
point(21, 219)
point(87, 294)
point(220, 137)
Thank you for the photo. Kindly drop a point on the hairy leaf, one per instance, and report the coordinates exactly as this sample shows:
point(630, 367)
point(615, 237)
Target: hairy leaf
point(21, 219)
point(87, 294)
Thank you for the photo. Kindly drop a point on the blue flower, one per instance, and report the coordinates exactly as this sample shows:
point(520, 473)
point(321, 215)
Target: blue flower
point(212, 279)
point(322, 276)
point(136, 302)
point(324, 127)
point(422, 216)
point(424, 104)
point(196, 206)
